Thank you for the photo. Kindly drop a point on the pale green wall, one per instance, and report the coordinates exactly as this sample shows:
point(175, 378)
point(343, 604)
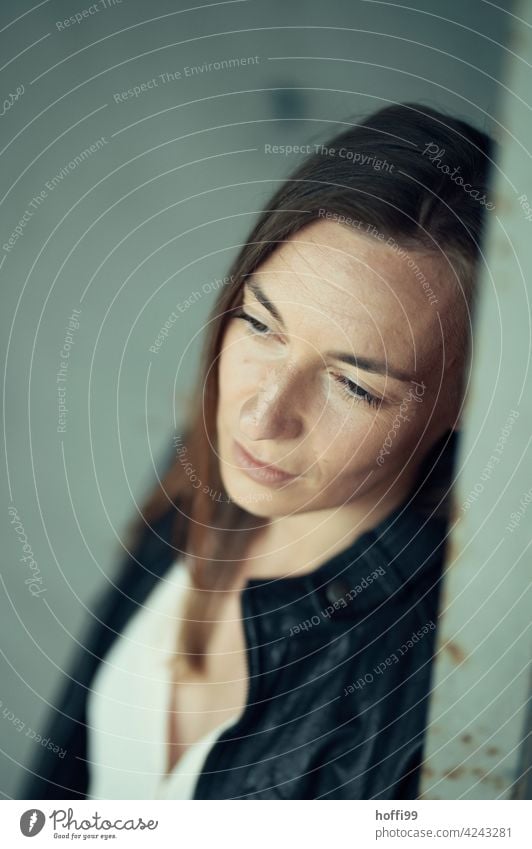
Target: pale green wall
point(152, 216)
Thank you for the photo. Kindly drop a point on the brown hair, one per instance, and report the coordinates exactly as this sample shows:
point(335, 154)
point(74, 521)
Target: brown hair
point(414, 200)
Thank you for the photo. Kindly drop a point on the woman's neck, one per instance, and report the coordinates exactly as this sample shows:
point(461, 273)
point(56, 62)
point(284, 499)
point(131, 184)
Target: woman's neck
point(294, 545)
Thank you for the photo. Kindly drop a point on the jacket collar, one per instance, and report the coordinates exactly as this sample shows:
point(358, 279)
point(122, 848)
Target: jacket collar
point(399, 555)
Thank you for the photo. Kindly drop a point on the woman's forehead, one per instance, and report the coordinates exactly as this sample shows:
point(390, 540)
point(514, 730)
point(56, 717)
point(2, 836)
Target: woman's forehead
point(357, 281)
point(334, 249)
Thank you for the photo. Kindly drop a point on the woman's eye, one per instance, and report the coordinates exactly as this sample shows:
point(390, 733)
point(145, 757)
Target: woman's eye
point(353, 390)
point(257, 328)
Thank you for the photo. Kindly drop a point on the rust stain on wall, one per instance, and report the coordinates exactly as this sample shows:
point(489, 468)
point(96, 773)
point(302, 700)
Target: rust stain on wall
point(457, 654)
point(454, 773)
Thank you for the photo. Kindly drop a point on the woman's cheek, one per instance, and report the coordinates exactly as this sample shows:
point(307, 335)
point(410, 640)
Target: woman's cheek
point(240, 368)
point(364, 437)
point(347, 439)
point(397, 435)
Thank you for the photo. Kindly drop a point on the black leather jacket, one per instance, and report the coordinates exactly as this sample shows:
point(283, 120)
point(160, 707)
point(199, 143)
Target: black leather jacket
point(339, 673)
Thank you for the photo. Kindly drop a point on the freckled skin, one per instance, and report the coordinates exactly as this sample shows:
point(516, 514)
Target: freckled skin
point(279, 395)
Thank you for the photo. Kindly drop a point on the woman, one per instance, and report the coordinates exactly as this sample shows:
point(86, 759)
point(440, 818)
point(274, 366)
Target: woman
point(272, 632)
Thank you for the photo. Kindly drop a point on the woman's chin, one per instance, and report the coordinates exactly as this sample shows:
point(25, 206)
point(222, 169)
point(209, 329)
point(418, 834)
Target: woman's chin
point(255, 502)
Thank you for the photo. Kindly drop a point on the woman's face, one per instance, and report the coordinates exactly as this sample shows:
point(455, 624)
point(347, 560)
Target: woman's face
point(342, 376)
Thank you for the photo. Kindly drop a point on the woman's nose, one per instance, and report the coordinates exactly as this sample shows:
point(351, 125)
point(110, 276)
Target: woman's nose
point(273, 410)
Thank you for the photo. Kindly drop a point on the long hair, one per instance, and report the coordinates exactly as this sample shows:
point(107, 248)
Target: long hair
point(394, 172)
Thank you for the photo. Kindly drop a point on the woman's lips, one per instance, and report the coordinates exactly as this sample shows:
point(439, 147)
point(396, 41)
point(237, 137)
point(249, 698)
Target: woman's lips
point(261, 472)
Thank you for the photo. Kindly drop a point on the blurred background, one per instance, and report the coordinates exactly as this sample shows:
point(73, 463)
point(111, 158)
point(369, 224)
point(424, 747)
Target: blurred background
point(135, 159)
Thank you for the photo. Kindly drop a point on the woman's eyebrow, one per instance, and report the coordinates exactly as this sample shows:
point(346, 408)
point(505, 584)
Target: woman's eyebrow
point(369, 364)
point(256, 290)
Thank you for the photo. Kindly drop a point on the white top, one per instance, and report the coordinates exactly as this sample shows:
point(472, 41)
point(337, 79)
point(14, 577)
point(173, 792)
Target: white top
point(127, 709)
